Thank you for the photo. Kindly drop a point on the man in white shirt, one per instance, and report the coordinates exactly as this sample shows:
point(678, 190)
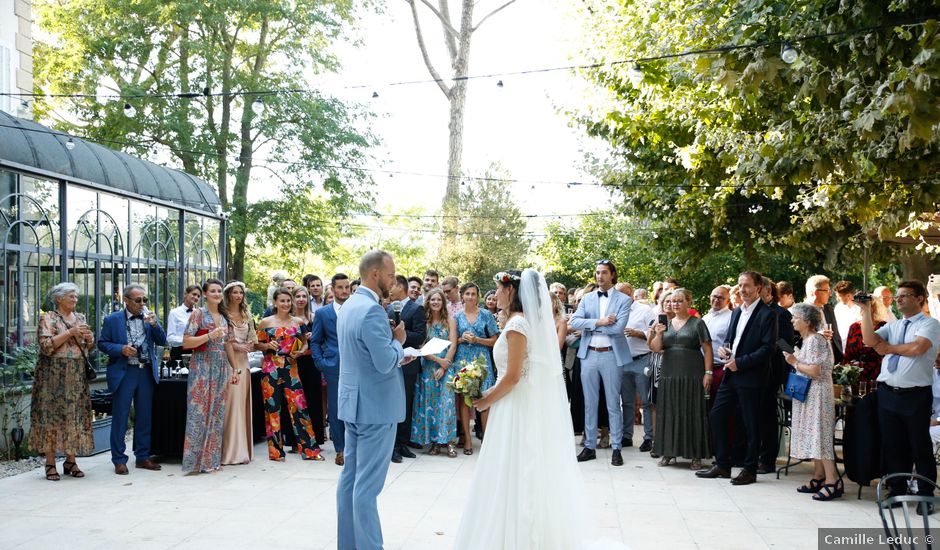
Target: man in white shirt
point(635, 381)
point(909, 347)
point(718, 319)
point(887, 298)
point(846, 310)
point(178, 319)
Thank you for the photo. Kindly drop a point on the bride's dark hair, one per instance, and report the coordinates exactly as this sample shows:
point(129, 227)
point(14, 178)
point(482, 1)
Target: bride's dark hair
point(511, 277)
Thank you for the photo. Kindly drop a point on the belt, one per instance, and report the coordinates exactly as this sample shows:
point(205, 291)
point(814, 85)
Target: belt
point(902, 391)
point(601, 350)
point(640, 356)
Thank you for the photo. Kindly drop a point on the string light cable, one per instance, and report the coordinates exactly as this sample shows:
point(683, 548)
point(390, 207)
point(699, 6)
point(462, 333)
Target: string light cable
point(788, 53)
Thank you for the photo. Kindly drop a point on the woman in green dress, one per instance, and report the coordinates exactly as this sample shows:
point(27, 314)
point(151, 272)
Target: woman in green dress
point(686, 372)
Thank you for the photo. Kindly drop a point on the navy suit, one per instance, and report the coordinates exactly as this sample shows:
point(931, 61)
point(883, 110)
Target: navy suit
point(416, 330)
point(324, 347)
point(746, 387)
point(129, 383)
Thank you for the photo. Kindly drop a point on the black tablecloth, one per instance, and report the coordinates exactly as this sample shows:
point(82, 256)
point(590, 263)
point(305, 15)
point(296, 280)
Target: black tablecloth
point(169, 415)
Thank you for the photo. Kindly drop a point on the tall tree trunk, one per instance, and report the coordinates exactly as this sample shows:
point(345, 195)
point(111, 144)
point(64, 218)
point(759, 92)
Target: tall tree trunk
point(918, 266)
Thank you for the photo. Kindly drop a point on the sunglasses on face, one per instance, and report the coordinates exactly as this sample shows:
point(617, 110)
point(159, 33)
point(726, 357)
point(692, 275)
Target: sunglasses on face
point(140, 300)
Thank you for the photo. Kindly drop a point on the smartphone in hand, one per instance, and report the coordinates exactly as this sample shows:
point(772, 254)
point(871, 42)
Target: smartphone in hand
point(663, 319)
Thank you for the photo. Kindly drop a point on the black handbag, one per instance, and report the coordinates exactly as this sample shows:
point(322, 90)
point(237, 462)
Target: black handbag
point(797, 386)
point(90, 371)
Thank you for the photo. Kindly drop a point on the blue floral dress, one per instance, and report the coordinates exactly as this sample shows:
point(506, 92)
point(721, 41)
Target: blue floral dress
point(434, 419)
point(483, 327)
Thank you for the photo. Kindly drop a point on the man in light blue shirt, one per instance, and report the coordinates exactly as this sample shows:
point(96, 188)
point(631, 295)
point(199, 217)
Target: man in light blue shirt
point(905, 399)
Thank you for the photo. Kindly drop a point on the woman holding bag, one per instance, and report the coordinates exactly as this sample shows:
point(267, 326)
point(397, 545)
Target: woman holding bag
point(60, 416)
point(814, 419)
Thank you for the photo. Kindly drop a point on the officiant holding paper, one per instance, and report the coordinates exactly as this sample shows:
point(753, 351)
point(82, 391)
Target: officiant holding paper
point(404, 309)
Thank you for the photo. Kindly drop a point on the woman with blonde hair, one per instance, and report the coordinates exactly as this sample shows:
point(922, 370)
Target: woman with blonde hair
point(237, 439)
point(434, 421)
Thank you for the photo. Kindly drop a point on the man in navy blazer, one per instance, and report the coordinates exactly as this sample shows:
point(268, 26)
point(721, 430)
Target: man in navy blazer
point(371, 401)
point(324, 347)
point(415, 334)
point(748, 355)
point(128, 337)
point(604, 350)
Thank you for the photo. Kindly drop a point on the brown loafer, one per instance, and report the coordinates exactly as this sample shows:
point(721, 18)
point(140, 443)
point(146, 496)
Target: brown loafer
point(148, 465)
point(744, 478)
point(340, 459)
point(121, 469)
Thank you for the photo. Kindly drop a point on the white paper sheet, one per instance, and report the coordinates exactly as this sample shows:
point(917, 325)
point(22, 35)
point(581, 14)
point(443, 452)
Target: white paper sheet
point(432, 347)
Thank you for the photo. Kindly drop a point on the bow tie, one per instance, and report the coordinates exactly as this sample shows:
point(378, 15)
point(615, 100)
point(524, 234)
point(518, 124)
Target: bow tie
point(141, 317)
point(189, 310)
point(601, 293)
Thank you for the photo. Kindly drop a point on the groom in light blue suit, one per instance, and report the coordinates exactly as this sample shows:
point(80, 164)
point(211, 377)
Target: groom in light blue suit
point(371, 401)
point(601, 318)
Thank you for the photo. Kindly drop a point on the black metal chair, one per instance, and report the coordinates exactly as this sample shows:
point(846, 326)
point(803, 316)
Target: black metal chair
point(889, 508)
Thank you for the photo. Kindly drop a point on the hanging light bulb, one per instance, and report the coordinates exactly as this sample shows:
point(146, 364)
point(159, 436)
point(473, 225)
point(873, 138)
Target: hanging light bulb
point(375, 95)
point(257, 106)
point(635, 75)
point(499, 84)
point(70, 144)
point(788, 53)
point(129, 110)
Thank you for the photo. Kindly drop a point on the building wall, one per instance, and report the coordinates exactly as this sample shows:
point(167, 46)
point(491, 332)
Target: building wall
point(16, 53)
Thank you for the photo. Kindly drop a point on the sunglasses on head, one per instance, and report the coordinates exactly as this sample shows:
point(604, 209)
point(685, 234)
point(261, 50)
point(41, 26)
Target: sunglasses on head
point(140, 300)
point(603, 262)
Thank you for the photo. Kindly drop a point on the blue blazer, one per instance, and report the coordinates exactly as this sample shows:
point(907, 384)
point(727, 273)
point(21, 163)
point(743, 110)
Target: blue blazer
point(112, 340)
point(585, 320)
point(324, 344)
point(371, 390)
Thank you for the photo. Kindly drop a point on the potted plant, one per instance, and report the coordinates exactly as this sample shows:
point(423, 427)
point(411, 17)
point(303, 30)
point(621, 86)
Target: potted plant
point(844, 377)
point(16, 374)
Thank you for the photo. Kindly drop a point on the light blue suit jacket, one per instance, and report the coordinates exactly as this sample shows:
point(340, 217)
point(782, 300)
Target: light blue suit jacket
point(585, 320)
point(371, 390)
point(324, 345)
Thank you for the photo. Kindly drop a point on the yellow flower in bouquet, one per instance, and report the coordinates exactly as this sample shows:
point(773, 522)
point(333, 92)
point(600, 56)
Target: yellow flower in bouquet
point(469, 379)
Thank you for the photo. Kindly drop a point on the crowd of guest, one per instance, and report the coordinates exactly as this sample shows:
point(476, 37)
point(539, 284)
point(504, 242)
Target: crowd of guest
point(702, 387)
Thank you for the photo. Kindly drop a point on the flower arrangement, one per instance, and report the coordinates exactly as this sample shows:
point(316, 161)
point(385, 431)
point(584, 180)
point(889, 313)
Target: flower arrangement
point(847, 374)
point(469, 379)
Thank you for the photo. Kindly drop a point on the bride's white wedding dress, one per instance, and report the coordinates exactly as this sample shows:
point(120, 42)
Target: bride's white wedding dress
point(527, 490)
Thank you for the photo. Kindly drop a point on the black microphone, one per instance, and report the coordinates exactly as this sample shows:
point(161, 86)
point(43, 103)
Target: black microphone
point(397, 307)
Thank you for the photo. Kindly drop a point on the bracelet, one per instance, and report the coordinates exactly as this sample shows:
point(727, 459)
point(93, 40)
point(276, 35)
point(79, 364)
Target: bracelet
point(709, 373)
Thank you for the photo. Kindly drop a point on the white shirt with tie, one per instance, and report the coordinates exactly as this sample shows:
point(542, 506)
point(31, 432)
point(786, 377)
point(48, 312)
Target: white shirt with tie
point(600, 340)
point(176, 324)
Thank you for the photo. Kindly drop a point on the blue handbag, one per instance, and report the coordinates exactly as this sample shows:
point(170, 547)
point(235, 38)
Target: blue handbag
point(797, 386)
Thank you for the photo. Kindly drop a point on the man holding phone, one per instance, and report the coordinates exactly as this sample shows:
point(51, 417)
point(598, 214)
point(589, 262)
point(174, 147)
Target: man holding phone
point(747, 354)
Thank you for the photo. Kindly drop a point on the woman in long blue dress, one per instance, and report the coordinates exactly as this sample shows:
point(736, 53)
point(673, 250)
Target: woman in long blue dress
point(434, 421)
point(210, 370)
point(476, 333)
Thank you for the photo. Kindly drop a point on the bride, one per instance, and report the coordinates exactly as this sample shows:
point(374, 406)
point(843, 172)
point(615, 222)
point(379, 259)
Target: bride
point(526, 491)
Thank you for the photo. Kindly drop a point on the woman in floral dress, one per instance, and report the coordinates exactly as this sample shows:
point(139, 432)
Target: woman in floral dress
point(476, 333)
point(209, 377)
point(282, 341)
point(434, 421)
point(60, 418)
point(814, 419)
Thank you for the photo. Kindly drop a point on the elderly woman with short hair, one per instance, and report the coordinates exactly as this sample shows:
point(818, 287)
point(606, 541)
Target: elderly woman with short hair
point(60, 418)
point(813, 420)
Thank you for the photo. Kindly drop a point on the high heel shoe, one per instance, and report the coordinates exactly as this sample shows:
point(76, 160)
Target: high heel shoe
point(71, 468)
point(667, 461)
point(452, 451)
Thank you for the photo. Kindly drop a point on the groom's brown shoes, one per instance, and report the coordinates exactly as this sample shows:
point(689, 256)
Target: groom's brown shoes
point(148, 465)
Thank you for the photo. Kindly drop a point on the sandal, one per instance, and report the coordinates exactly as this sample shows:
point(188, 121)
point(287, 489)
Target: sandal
point(468, 452)
point(71, 468)
point(434, 450)
point(696, 464)
point(452, 451)
point(667, 460)
point(812, 487)
point(829, 491)
point(51, 473)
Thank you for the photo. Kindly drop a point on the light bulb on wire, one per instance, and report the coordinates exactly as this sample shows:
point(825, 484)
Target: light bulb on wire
point(257, 106)
point(499, 84)
point(635, 75)
point(70, 144)
point(129, 110)
point(788, 53)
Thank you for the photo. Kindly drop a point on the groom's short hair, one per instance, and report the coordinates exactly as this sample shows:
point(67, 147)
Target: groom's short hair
point(372, 260)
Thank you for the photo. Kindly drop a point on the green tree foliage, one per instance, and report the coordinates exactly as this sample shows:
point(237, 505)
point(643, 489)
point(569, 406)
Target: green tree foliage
point(491, 231)
point(742, 152)
point(228, 48)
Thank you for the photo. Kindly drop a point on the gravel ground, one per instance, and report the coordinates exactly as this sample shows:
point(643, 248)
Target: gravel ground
point(15, 467)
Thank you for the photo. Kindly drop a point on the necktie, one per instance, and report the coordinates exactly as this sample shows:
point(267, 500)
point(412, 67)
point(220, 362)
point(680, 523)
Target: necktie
point(601, 293)
point(893, 362)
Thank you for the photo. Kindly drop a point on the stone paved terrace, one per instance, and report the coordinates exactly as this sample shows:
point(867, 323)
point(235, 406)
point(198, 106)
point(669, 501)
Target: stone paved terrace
point(291, 505)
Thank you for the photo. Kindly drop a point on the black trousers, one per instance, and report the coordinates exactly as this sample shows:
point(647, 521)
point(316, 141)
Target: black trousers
point(769, 430)
point(730, 398)
point(403, 433)
point(904, 419)
point(312, 381)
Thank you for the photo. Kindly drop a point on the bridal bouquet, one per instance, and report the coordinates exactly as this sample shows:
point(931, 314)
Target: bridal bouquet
point(469, 379)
